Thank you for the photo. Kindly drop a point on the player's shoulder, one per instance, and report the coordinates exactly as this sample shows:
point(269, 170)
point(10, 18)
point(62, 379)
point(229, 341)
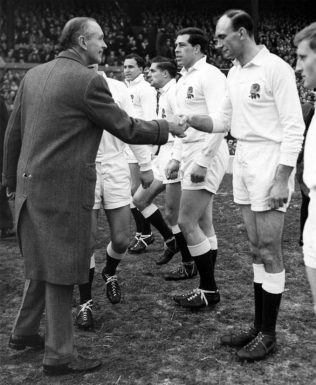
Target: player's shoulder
point(213, 70)
point(275, 63)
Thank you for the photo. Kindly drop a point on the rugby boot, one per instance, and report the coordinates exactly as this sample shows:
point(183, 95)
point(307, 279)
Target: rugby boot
point(142, 244)
point(84, 317)
point(113, 290)
point(258, 349)
point(200, 299)
point(170, 249)
point(239, 339)
point(183, 271)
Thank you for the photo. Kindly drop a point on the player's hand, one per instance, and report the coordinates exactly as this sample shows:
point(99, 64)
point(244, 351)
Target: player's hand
point(198, 174)
point(10, 194)
point(279, 194)
point(146, 178)
point(172, 169)
point(177, 126)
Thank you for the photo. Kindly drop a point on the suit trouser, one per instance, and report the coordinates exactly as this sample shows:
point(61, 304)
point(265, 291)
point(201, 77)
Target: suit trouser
point(56, 300)
point(6, 220)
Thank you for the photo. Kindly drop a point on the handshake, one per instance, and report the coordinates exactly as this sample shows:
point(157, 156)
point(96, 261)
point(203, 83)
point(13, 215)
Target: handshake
point(178, 125)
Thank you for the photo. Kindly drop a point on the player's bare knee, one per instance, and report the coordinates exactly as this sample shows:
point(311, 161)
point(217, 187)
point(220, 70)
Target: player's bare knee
point(120, 242)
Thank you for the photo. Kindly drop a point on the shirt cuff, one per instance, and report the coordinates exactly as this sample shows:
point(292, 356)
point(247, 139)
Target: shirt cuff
point(288, 159)
point(145, 167)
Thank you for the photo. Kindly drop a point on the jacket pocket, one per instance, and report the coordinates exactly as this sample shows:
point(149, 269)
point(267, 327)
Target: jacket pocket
point(88, 185)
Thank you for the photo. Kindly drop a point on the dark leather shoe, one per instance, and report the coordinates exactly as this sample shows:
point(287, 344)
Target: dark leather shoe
point(200, 298)
point(258, 349)
point(239, 339)
point(113, 290)
point(35, 341)
point(184, 271)
point(134, 241)
point(7, 233)
point(79, 364)
point(84, 317)
point(170, 250)
point(142, 244)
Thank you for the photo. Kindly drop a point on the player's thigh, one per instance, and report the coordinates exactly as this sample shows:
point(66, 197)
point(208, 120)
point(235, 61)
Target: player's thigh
point(270, 226)
point(143, 197)
point(193, 205)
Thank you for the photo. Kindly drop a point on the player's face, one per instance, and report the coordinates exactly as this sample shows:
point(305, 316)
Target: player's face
point(156, 76)
point(94, 43)
point(131, 69)
point(306, 63)
point(227, 40)
point(185, 52)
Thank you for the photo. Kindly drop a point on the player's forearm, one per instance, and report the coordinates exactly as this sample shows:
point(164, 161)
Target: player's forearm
point(200, 122)
point(283, 173)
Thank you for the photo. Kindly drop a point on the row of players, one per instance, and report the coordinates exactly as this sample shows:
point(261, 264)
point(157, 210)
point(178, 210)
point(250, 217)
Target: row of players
point(191, 169)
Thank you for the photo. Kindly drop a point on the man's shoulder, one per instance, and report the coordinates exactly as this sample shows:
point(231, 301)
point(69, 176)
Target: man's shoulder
point(212, 70)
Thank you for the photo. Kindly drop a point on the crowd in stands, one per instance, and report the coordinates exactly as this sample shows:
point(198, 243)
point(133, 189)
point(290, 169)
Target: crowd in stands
point(37, 30)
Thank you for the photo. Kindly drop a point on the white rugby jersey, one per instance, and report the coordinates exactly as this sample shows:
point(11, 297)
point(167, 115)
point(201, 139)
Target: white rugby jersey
point(110, 146)
point(200, 91)
point(309, 174)
point(143, 97)
point(262, 104)
point(168, 102)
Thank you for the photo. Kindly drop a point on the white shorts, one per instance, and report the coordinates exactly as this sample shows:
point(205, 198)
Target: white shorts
point(309, 235)
point(254, 170)
point(160, 163)
point(113, 186)
point(215, 172)
point(130, 157)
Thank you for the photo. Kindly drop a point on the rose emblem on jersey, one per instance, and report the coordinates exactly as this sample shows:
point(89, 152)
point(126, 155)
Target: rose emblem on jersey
point(254, 91)
point(132, 97)
point(190, 93)
point(163, 113)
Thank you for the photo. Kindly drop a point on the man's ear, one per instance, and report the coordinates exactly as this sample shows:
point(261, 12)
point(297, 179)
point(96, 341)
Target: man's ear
point(82, 42)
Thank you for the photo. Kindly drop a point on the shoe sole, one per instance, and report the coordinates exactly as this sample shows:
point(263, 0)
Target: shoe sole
point(64, 371)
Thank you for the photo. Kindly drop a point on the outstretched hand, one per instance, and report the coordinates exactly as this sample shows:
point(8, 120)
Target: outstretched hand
point(177, 126)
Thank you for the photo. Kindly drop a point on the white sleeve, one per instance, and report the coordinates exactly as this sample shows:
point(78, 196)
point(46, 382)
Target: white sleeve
point(143, 156)
point(282, 80)
point(215, 93)
point(222, 118)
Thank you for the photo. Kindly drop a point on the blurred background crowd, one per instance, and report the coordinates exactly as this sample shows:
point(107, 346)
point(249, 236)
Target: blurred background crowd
point(141, 26)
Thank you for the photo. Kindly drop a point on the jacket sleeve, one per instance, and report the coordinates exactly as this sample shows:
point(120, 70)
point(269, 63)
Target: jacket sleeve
point(12, 143)
point(105, 113)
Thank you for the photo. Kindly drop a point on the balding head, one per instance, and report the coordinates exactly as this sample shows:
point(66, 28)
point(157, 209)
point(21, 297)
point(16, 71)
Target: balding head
point(78, 26)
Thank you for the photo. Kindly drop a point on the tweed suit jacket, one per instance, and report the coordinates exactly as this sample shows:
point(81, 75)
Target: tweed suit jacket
point(49, 158)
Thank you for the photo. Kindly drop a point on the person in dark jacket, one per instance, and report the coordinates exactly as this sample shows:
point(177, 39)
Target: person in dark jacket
point(53, 134)
point(6, 219)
